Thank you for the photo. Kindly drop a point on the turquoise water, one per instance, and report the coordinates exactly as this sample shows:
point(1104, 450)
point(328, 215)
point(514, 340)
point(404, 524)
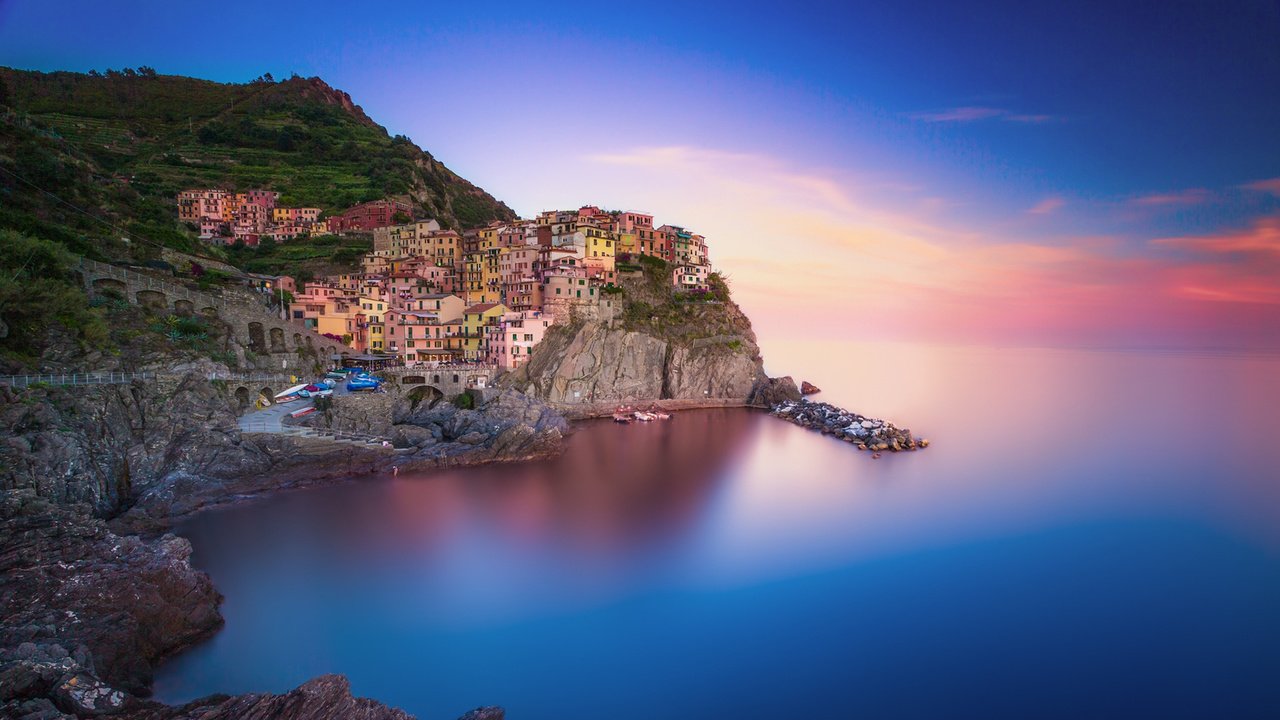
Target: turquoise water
point(1090, 535)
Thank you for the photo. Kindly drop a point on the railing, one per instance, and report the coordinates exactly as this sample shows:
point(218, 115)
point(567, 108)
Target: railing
point(109, 378)
point(253, 377)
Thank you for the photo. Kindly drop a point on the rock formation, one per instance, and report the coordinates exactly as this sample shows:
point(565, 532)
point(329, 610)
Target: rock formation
point(867, 433)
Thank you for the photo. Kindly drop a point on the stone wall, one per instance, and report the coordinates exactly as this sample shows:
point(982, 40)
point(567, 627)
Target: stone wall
point(276, 343)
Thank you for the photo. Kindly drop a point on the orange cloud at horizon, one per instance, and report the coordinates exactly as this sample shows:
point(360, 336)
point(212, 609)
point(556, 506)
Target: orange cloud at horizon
point(808, 254)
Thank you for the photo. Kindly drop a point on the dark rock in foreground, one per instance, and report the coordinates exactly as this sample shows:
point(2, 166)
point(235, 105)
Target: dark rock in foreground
point(771, 392)
point(327, 697)
point(867, 433)
point(76, 597)
point(808, 388)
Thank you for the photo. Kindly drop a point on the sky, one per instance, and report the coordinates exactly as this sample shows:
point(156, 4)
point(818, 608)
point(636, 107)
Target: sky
point(1093, 174)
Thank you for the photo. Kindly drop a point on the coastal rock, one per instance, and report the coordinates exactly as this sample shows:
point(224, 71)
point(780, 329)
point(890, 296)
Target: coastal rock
point(327, 697)
point(769, 392)
point(689, 354)
point(121, 603)
point(866, 433)
point(808, 388)
point(592, 363)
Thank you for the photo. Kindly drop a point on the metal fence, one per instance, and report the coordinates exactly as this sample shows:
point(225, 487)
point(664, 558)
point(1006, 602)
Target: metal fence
point(254, 377)
point(108, 378)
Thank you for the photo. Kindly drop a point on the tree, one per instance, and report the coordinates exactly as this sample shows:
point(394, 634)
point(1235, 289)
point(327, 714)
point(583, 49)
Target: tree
point(4, 93)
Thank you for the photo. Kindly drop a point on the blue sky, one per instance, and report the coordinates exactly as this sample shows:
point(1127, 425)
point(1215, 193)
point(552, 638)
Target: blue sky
point(1099, 127)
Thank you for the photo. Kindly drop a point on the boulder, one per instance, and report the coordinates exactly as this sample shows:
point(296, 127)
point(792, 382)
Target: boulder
point(808, 388)
point(773, 391)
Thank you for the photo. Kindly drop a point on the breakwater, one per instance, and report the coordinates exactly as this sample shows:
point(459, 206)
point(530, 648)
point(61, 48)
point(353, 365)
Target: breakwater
point(863, 432)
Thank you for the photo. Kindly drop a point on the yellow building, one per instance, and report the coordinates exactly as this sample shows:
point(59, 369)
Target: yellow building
point(474, 320)
point(600, 248)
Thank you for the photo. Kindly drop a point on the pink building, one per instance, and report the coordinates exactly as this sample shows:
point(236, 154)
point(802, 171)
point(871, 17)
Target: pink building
point(195, 206)
point(368, 216)
point(510, 342)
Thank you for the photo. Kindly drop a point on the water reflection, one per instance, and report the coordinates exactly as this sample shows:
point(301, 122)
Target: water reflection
point(1111, 518)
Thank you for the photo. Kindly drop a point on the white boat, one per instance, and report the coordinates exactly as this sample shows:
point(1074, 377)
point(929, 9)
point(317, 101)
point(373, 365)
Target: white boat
point(290, 393)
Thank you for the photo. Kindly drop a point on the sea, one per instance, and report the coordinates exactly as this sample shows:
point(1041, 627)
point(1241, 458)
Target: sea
point(1091, 534)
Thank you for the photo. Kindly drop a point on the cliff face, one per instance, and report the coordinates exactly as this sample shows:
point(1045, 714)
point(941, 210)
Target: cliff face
point(657, 349)
point(593, 364)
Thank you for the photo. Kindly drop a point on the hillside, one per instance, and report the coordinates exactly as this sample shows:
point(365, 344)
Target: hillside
point(91, 164)
point(300, 137)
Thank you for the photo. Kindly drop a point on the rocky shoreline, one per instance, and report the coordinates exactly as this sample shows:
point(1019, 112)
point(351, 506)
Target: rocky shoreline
point(94, 593)
point(863, 432)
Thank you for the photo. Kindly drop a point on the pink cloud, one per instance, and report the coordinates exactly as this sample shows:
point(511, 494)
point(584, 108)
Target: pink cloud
point(1047, 206)
point(1268, 186)
point(1262, 240)
point(973, 113)
point(1194, 196)
point(959, 114)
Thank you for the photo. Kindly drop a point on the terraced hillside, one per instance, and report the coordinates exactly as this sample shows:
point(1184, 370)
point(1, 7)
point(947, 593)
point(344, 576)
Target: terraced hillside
point(300, 137)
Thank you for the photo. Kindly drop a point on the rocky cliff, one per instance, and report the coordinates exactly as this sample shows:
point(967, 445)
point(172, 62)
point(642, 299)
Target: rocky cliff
point(672, 351)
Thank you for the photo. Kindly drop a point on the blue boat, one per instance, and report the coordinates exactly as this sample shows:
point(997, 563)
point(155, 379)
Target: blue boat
point(363, 382)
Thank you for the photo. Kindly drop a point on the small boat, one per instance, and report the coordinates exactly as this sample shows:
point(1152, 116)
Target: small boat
point(644, 416)
point(366, 382)
point(303, 411)
point(661, 415)
point(290, 394)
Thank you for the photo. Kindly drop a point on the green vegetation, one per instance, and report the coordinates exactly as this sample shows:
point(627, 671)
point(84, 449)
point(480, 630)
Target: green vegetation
point(302, 259)
point(651, 306)
point(37, 288)
point(299, 137)
point(464, 401)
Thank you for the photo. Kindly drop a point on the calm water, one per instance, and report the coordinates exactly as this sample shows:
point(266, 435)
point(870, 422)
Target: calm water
point(1092, 535)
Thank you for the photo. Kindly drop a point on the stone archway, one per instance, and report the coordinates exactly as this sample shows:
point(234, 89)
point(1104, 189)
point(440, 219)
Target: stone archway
point(185, 308)
point(111, 288)
point(257, 338)
point(308, 337)
point(152, 299)
point(297, 340)
point(242, 398)
point(425, 394)
point(277, 340)
point(210, 311)
point(266, 393)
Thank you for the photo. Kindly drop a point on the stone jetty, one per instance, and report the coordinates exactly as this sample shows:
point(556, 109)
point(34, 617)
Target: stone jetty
point(863, 432)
